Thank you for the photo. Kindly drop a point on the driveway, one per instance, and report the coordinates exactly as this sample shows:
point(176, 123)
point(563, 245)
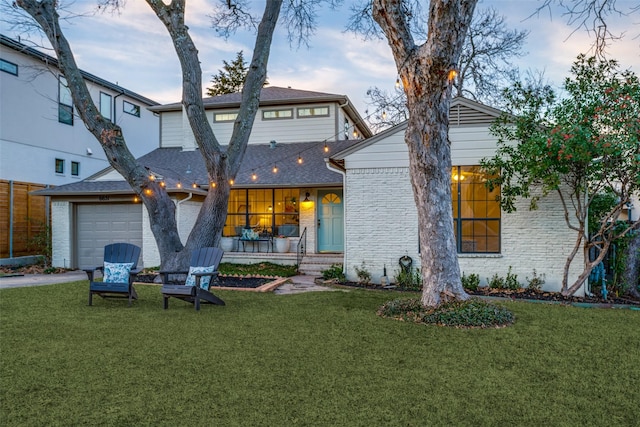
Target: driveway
point(41, 279)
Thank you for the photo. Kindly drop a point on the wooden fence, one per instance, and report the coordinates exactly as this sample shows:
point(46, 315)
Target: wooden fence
point(22, 218)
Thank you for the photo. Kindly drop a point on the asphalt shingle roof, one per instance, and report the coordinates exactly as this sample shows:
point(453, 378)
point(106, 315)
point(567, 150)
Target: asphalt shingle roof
point(175, 165)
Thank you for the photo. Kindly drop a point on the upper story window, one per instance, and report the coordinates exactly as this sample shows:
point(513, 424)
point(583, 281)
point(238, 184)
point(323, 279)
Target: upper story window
point(224, 117)
point(65, 103)
point(59, 165)
point(130, 108)
point(75, 168)
point(285, 113)
point(105, 105)
point(313, 112)
point(476, 212)
point(8, 67)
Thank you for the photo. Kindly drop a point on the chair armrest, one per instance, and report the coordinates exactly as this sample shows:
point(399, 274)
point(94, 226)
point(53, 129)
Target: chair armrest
point(166, 274)
point(91, 271)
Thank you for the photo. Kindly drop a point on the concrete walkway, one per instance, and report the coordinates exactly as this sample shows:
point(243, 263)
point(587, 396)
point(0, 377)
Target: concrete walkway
point(302, 283)
point(41, 279)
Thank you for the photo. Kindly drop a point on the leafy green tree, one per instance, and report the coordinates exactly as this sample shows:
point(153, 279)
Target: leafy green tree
point(231, 78)
point(580, 147)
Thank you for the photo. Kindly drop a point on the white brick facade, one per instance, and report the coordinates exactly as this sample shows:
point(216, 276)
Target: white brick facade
point(381, 226)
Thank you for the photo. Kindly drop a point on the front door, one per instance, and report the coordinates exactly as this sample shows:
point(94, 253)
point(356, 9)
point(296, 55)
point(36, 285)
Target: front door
point(330, 221)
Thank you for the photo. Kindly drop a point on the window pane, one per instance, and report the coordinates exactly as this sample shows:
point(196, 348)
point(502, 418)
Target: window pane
point(65, 114)
point(105, 105)
point(224, 117)
point(287, 211)
point(277, 114)
point(130, 108)
point(59, 166)
point(75, 168)
point(64, 94)
point(8, 67)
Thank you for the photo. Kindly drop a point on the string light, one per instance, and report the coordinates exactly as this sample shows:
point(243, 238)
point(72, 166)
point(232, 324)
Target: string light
point(452, 74)
point(253, 175)
point(384, 115)
point(275, 168)
point(299, 159)
point(162, 184)
point(326, 148)
point(179, 185)
point(231, 182)
point(398, 83)
point(213, 184)
point(152, 177)
point(194, 185)
point(148, 192)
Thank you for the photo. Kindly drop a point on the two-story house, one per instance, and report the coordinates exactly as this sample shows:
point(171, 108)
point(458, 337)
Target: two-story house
point(283, 186)
point(43, 142)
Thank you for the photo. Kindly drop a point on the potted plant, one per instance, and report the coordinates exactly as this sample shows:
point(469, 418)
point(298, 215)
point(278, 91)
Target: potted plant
point(281, 244)
point(226, 243)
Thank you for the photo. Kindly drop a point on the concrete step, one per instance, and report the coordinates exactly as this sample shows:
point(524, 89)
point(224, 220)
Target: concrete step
point(315, 264)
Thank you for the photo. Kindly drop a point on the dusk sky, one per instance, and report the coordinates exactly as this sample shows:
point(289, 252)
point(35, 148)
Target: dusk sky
point(133, 49)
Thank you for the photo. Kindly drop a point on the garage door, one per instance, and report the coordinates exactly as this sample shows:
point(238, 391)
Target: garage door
point(99, 225)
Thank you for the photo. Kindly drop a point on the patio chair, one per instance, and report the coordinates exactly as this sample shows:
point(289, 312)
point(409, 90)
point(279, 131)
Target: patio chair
point(118, 272)
point(203, 269)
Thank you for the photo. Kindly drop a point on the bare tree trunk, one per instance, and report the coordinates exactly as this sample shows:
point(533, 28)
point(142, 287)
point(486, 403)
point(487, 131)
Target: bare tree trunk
point(631, 274)
point(424, 71)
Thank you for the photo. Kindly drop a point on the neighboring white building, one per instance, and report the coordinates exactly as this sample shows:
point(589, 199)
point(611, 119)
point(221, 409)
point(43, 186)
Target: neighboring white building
point(294, 131)
point(381, 223)
point(42, 140)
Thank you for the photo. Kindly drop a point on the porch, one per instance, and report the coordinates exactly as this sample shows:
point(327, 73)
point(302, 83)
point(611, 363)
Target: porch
point(309, 264)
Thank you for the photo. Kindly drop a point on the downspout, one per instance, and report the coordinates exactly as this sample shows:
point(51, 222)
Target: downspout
point(332, 166)
point(114, 106)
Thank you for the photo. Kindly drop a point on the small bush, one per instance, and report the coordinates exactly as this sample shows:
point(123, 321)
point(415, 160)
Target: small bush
point(334, 273)
point(511, 281)
point(472, 313)
point(471, 282)
point(536, 282)
point(496, 282)
point(408, 279)
point(364, 277)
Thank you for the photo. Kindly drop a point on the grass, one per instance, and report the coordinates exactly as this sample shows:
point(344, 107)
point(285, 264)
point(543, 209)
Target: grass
point(262, 268)
point(312, 359)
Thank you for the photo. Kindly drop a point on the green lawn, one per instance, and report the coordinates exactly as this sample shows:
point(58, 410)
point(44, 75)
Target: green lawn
point(313, 359)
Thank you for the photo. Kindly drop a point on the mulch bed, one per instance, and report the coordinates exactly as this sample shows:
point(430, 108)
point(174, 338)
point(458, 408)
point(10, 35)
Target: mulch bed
point(224, 281)
point(519, 294)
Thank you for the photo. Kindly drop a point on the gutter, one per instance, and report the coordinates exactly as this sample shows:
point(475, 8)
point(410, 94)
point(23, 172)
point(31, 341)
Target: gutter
point(332, 166)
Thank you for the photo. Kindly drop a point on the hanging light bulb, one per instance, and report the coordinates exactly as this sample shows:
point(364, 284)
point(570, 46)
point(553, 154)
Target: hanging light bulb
point(135, 199)
point(384, 115)
point(213, 184)
point(299, 159)
point(326, 148)
point(453, 73)
point(275, 168)
point(231, 182)
point(397, 82)
point(179, 184)
point(148, 192)
point(253, 175)
point(355, 133)
point(152, 177)
point(162, 184)
point(194, 185)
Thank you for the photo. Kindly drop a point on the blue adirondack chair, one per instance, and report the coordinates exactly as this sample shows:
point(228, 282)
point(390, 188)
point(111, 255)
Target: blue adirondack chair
point(196, 288)
point(119, 270)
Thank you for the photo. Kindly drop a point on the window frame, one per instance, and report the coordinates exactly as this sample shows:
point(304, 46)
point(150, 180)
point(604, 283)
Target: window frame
point(75, 168)
point(9, 67)
point(278, 110)
point(63, 106)
point(280, 207)
point(459, 221)
point(135, 108)
point(103, 97)
point(233, 113)
point(59, 166)
point(313, 115)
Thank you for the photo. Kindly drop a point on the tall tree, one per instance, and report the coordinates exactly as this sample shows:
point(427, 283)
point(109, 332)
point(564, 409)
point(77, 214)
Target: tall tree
point(425, 71)
point(231, 78)
point(580, 148)
point(482, 71)
point(222, 165)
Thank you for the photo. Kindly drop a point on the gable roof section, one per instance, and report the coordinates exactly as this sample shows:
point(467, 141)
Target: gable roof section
point(187, 167)
point(50, 60)
point(462, 112)
point(274, 96)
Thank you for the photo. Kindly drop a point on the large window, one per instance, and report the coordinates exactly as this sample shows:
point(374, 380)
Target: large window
point(270, 211)
point(313, 112)
point(65, 103)
point(476, 212)
point(105, 105)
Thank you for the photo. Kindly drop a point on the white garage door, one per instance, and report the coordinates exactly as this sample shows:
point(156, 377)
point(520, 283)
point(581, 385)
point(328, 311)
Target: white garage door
point(99, 225)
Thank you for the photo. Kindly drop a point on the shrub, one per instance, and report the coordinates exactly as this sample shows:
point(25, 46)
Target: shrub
point(536, 282)
point(511, 281)
point(408, 279)
point(334, 273)
point(472, 313)
point(496, 282)
point(471, 282)
point(364, 277)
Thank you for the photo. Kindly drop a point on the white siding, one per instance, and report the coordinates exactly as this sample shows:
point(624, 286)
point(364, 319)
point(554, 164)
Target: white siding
point(176, 131)
point(61, 234)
